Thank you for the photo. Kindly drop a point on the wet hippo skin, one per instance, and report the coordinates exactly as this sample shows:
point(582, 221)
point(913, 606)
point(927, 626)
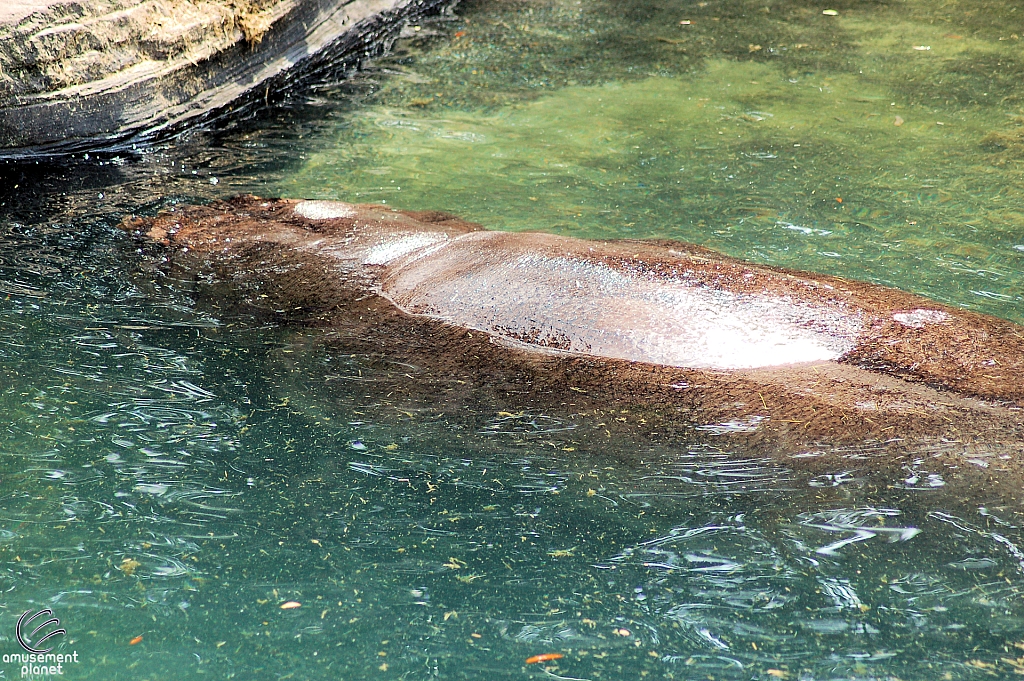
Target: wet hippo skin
point(690, 337)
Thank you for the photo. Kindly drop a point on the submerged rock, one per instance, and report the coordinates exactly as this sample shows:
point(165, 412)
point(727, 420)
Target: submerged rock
point(100, 74)
point(700, 341)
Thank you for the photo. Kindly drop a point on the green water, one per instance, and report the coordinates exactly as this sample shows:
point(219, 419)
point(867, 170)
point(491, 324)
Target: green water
point(176, 476)
point(764, 130)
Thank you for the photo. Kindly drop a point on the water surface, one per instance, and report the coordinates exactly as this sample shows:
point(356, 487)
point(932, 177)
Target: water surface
point(179, 476)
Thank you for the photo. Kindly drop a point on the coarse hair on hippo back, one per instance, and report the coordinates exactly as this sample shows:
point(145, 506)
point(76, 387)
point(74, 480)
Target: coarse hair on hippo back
point(657, 302)
point(682, 326)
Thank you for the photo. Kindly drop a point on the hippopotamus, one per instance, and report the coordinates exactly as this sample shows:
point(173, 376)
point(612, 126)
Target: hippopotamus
point(688, 336)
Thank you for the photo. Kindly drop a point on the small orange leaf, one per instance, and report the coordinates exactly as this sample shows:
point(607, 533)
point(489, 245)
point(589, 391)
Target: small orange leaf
point(291, 604)
point(137, 639)
point(459, 34)
point(544, 658)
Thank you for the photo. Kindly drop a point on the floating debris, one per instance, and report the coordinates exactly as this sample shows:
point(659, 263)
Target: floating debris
point(128, 566)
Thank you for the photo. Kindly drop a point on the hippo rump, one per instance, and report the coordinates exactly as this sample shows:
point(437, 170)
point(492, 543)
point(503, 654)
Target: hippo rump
point(681, 338)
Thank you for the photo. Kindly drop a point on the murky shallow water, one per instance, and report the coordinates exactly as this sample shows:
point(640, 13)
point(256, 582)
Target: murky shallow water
point(175, 476)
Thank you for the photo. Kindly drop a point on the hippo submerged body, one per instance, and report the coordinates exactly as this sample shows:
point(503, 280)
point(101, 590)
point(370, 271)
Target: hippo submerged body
point(811, 356)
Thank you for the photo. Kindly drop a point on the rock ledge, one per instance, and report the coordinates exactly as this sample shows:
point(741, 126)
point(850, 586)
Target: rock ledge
point(78, 75)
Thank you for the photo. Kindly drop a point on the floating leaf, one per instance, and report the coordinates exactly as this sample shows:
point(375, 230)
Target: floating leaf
point(128, 566)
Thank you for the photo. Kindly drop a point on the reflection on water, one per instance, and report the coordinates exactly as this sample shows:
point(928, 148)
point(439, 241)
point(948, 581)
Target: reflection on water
point(177, 477)
point(186, 495)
